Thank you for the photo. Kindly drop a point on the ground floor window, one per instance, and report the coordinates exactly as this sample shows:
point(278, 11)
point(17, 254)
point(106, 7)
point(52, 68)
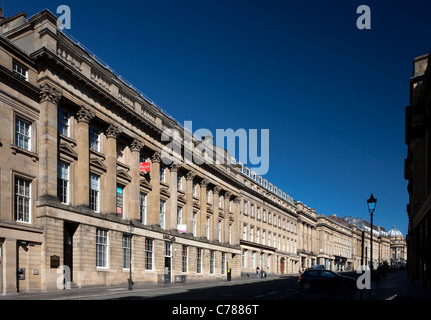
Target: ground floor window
point(102, 248)
point(148, 254)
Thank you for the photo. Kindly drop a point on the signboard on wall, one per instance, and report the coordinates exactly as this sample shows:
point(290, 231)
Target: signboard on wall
point(119, 200)
point(144, 166)
point(182, 228)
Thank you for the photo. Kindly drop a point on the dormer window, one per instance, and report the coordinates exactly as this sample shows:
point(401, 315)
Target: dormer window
point(20, 70)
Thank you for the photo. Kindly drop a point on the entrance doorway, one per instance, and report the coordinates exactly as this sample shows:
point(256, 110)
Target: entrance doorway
point(282, 260)
point(68, 232)
point(168, 261)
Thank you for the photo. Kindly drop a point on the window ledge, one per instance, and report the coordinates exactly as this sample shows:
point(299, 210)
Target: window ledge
point(15, 149)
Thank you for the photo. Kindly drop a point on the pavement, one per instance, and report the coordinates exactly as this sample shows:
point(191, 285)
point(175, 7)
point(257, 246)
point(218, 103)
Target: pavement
point(394, 286)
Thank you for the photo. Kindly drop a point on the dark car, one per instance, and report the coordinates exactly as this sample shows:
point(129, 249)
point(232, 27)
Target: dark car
point(325, 279)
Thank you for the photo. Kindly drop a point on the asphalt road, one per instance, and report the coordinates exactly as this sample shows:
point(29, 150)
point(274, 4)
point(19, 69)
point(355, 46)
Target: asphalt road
point(284, 288)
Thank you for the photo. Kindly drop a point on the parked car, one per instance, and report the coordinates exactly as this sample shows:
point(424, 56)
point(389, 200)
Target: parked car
point(316, 279)
point(318, 267)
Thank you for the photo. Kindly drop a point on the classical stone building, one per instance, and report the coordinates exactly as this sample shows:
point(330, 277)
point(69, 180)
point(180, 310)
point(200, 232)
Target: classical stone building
point(75, 205)
point(340, 243)
point(417, 171)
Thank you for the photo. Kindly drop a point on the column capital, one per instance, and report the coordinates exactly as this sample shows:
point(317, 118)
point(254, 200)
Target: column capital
point(136, 145)
point(237, 200)
point(113, 131)
point(216, 189)
point(174, 167)
point(227, 194)
point(156, 157)
point(204, 182)
point(190, 175)
point(49, 93)
point(85, 115)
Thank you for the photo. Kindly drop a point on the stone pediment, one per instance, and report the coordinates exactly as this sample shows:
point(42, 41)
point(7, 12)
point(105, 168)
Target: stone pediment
point(165, 191)
point(66, 148)
point(122, 173)
point(145, 183)
point(96, 162)
point(181, 198)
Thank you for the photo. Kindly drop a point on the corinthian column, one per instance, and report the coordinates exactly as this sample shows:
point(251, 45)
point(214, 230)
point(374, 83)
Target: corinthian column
point(49, 99)
point(189, 200)
point(84, 116)
point(135, 148)
point(203, 210)
point(110, 196)
point(172, 217)
point(154, 196)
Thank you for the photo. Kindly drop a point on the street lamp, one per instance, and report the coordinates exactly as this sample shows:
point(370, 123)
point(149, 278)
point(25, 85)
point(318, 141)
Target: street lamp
point(371, 207)
point(130, 227)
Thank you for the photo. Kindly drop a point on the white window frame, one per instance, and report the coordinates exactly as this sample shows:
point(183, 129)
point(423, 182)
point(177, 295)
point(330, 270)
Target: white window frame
point(20, 70)
point(23, 138)
point(95, 193)
point(63, 184)
point(102, 248)
point(22, 200)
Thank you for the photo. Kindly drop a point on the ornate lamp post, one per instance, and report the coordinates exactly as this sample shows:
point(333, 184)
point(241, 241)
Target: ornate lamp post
point(371, 207)
point(130, 227)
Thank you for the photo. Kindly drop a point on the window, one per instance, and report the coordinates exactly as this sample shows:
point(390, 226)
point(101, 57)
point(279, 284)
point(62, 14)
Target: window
point(253, 262)
point(162, 213)
point(199, 260)
point(20, 70)
point(22, 200)
point(143, 207)
point(22, 134)
point(179, 215)
point(168, 249)
point(207, 228)
point(219, 231)
point(245, 207)
point(94, 192)
point(252, 210)
point(63, 181)
point(251, 234)
point(244, 258)
point(63, 122)
point(244, 232)
point(212, 255)
point(94, 139)
point(208, 197)
point(184, 258)
point(230, 205)
point(194, 223)
point(126, 251)
point(148, 254)
point(102, 248)
point(162, 173)
point(219, 202)
point(230, 233)
point(195, 189)
point(223, 262)
point(179, 182)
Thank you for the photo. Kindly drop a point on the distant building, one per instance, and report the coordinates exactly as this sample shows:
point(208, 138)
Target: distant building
point(417, 170)
point(398, 248)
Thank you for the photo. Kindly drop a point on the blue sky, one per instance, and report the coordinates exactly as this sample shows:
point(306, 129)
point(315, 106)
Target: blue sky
point(332, 96)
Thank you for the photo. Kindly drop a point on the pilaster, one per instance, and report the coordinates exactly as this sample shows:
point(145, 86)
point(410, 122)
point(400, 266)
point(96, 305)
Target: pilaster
point(84, 116)
point(110, 177)
point(49, 99)
point(135, 148)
